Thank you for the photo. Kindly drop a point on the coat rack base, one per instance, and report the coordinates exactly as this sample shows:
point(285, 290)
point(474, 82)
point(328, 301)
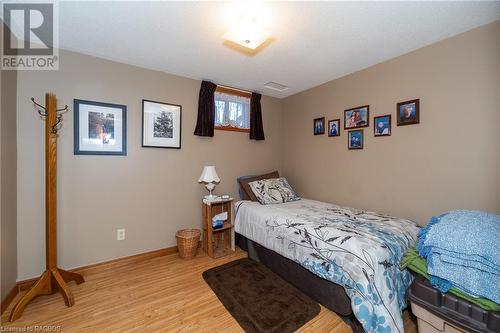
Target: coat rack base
point(51, 281)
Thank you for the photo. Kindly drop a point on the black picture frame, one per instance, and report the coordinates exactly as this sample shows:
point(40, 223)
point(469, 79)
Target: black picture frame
point(78, 149)
point(415, 103)
point(319, 126)
point(145, 144)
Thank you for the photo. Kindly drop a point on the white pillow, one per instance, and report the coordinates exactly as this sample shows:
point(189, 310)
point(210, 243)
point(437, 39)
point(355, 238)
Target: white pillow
point(273, 191)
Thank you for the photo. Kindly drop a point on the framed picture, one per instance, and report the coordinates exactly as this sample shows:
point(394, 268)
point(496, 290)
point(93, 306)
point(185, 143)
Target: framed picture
point(382, 125)
point(100, 128)
point(408, 112)
point(357, 117)
point(355, 139)
point(319, 126)
point(161, 124)
point(334, 127)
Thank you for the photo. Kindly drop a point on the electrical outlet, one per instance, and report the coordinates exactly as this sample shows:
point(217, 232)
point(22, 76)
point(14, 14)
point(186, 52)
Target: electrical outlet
point(120, 234)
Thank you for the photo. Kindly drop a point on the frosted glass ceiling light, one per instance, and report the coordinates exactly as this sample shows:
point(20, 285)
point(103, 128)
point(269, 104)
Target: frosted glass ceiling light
point(247, 32)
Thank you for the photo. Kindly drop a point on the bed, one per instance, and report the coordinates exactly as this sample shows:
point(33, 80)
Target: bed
point(344, 258)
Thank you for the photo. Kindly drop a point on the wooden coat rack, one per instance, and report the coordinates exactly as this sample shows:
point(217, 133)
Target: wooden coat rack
point(53, 279)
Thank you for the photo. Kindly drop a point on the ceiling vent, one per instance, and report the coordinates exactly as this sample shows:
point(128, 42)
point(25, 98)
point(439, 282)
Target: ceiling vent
point(275, 86)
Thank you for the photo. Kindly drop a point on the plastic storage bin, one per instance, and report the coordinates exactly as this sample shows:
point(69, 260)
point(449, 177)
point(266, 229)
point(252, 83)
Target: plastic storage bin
point(439, 312)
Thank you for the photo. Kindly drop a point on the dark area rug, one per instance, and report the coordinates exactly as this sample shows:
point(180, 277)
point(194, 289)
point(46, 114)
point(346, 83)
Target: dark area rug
point(258, 299)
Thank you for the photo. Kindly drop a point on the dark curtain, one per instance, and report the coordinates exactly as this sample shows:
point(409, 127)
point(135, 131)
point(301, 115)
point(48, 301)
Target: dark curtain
point(256, 129)
point(206, 110)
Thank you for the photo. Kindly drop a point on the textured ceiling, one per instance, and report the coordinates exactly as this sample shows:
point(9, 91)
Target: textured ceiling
point(313, 42)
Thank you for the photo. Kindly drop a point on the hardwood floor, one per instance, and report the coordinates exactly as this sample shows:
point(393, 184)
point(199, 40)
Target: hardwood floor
point(162, 294)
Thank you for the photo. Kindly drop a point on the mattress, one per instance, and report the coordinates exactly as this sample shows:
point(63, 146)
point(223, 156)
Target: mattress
point(356, 249)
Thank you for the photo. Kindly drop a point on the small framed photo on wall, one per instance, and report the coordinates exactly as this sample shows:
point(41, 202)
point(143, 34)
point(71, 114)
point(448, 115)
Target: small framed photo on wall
point(161, 124)
point(408, 112)
point(319, 126)
point(357, 117)
point(99, 128)
point(355, 139)
point(382, 125)
point(334, 127)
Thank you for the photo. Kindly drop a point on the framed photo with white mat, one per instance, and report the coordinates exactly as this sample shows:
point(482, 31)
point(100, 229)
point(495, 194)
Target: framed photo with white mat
point(99, 128)
point(161, 124)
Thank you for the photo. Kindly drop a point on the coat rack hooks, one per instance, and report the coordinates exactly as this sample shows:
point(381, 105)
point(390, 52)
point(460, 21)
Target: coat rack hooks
point(39, 106)
point(57, 125)
point(59, 112)
point(63, 110)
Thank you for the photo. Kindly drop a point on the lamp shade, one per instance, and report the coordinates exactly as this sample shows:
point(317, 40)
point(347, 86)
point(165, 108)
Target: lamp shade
point(209, 175)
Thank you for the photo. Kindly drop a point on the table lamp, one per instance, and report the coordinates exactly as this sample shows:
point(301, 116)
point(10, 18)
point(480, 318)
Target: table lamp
point(209, 177)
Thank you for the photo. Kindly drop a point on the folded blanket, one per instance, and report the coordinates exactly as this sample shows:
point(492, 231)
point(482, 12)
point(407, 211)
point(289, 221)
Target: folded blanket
point(462, 249)
point(414, 262)
point(471, 263)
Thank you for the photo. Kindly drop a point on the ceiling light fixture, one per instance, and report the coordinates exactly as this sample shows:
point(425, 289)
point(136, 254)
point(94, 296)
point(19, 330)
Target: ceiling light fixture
point(247, 32)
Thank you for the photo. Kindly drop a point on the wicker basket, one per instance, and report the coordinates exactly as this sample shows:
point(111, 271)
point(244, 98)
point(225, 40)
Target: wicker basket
point(187, 242)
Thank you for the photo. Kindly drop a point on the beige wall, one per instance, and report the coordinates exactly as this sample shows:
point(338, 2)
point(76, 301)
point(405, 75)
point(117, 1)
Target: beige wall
point(150, 192)
point(8, 180)
point(450, 160)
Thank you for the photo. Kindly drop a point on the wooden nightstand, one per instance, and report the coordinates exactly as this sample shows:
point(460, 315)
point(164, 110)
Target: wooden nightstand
point(217, 242)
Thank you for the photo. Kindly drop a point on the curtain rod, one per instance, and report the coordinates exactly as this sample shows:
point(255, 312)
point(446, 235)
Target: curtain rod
point(233, 88)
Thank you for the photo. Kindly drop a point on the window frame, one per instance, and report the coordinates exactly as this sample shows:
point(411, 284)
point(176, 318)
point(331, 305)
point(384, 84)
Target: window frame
point(236, 92)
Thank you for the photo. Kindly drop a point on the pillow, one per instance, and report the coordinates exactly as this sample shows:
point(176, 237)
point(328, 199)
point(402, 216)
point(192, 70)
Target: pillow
point(241, 192)
point(273, 191)
point(244, 181)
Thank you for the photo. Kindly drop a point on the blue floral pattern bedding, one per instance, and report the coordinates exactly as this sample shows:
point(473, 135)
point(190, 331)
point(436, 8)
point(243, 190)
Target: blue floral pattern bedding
point(356, 249)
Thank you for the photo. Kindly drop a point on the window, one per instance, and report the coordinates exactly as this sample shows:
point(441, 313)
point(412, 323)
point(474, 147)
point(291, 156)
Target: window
point(232, 109)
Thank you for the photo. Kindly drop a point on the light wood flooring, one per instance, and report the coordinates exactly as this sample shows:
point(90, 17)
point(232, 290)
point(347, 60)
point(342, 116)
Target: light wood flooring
point(163, 294)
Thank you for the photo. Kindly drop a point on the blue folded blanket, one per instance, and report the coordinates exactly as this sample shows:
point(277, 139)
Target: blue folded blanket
point(462, 249)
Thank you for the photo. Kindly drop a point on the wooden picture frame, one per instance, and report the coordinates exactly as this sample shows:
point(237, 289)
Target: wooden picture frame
point(355, 144)
point(161, 125)
point(357, 117)
point(99, 128)
point(408, 112)
point(331, 131)
point(385, 129)
point(319, 126)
